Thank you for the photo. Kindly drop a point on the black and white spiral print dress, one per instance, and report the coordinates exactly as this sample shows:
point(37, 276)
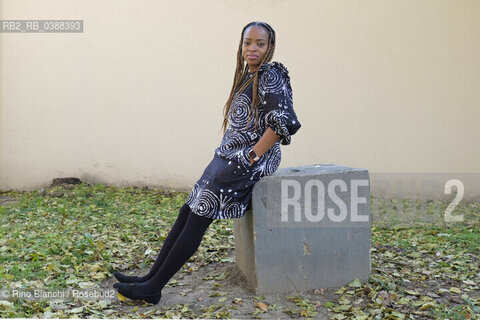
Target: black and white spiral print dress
point(225, 188)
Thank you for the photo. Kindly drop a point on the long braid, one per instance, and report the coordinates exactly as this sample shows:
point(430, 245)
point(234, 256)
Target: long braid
point(241, 71)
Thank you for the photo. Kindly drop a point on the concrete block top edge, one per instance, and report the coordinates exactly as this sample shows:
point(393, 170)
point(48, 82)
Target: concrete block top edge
point(314, 169)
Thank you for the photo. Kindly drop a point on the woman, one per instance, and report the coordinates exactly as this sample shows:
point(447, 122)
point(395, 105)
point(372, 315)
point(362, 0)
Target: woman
point(258, 117)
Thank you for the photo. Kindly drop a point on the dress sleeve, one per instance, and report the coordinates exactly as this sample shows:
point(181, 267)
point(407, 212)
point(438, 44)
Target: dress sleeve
point(275, 94)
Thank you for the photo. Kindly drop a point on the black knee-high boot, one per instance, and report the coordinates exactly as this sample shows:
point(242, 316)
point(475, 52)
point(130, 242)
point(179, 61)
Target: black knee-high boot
point(185, 246)
point(167, 245)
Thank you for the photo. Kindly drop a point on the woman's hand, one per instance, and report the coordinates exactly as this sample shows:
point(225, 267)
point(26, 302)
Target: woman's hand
point(267, 140)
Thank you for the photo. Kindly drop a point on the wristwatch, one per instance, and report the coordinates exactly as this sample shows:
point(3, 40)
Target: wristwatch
point(253, 156)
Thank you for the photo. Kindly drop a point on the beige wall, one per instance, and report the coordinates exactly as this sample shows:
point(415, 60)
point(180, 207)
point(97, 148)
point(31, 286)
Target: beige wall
point(391, 86)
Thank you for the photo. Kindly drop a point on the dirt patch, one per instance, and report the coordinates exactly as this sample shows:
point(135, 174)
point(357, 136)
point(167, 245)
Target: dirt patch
point(65, 181)
point(221, 288)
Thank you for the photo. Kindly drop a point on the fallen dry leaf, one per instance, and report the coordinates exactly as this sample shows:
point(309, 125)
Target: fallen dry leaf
point(261, 305)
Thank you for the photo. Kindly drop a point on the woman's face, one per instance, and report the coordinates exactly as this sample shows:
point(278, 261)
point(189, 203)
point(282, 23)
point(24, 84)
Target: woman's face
point(254, 46)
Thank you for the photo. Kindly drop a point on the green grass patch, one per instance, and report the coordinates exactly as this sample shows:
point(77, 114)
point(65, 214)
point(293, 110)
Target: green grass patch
point(65, 236)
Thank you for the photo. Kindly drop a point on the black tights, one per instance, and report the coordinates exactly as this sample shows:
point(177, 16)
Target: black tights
point(181, 243)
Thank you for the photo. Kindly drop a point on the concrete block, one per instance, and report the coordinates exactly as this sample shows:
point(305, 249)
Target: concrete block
point(309, 227)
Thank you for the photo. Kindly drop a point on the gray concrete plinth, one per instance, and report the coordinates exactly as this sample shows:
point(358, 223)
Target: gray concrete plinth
point(308, 228)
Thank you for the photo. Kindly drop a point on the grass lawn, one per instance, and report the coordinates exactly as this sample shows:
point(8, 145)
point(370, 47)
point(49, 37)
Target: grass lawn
point(73, 236)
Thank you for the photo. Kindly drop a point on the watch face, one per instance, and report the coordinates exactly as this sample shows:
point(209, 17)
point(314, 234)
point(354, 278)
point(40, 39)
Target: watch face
point(252, 154)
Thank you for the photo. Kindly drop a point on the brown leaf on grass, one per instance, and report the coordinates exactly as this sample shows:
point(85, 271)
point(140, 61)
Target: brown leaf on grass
point(261, 305)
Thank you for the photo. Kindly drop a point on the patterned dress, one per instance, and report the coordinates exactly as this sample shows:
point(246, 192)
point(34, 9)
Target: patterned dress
point(225, 188)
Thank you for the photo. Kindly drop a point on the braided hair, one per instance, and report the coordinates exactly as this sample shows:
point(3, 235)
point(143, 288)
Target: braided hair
point(241, 71)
